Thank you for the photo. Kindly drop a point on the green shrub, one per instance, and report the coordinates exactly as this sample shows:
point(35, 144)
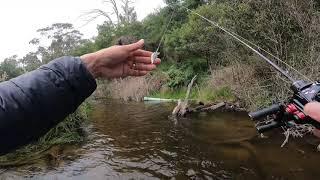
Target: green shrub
point(180, 74)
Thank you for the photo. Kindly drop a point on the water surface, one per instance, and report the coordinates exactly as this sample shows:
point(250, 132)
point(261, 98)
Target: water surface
point(141, 141)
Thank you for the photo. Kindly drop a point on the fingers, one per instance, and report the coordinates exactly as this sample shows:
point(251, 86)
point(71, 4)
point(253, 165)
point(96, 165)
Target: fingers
point(313, 110)
point(145, 67)
point(138, 69)
point(141, 66)
point(157, 61)
point(143, 56)
point(135, 46)
point(316, 133)
point(130, 71)
point(141, 52)
point(146, 60)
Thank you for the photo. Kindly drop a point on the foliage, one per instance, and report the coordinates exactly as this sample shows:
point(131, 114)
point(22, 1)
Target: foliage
point(63, 38)
point(10, 67)
point(31, 61)
point(288, 29)
point(57, 40)
point(180, 74)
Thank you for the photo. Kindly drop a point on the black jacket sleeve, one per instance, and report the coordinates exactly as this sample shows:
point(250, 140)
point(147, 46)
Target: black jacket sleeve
point(33, 103)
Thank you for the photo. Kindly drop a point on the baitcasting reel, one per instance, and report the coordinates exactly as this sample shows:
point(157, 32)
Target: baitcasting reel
point(291, 113)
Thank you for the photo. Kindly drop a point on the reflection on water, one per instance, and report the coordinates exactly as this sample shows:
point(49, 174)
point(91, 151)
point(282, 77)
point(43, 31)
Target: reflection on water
point(140, 141)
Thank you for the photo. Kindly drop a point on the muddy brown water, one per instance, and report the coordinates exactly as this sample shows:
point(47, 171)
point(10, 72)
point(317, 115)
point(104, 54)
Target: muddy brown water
point(141, 141)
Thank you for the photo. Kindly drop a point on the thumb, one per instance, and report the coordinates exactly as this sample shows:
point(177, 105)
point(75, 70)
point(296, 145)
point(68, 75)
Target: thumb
point(313, 110)
point(135, 46)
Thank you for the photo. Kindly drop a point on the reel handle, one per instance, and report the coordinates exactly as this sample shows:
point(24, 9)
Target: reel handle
point(265, 112)
point(261, 128)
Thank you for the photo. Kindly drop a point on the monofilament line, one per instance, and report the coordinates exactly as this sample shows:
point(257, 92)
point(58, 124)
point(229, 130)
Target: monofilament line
point(275, 57)
point(155, 54)
point(164, 32)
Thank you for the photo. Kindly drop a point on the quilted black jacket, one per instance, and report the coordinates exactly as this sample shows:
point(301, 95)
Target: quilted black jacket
point(33, 103)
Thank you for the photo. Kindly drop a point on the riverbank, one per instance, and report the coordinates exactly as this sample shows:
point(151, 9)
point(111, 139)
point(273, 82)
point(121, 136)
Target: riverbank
point(219, 85)
point(252, 85)
point(200, 94)
point(69, 131)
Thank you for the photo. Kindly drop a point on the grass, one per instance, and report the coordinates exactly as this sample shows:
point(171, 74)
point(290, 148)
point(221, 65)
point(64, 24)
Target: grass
point(68, 131)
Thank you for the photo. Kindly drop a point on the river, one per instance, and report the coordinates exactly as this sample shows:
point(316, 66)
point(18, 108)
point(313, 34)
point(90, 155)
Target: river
point(142, 141)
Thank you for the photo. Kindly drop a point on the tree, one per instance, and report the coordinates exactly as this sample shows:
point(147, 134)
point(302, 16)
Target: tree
point(120, 14)
point(10, 67)
point(192, 4)
point(30, 61)
point(198, 38)
point(129, 15)
point(63, 40)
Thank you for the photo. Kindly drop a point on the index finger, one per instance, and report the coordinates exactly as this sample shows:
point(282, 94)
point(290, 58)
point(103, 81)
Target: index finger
point(313, 110)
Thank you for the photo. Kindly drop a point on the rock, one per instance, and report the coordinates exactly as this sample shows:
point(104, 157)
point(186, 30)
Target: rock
point(201, 103)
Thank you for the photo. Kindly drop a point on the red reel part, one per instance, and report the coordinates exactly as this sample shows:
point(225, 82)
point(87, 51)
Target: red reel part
point(291, 109)
point(301, 115)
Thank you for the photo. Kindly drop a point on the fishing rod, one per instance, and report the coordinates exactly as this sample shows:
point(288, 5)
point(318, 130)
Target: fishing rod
point(238, 38)
point(286, 115)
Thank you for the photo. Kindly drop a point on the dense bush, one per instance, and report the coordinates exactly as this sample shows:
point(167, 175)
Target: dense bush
point(181, 73)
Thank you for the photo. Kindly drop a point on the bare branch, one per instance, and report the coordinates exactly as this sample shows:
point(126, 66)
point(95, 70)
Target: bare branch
point(94, 14)
point(114, 7)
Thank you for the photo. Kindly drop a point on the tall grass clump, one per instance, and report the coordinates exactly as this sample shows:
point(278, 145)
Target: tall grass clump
point(241, 80)
point(69, 131)
point(131, 88)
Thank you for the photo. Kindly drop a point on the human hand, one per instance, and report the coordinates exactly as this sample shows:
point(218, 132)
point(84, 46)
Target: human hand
point(120, 61)
point(313, 110)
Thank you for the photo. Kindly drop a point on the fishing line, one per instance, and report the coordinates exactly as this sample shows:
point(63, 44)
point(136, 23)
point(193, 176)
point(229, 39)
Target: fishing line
point(247, 42)
point(275, 57)
point(165, 31)
point(155, 54)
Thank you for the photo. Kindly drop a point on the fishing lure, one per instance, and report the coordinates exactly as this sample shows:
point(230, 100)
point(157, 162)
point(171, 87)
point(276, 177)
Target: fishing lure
point(154, 56)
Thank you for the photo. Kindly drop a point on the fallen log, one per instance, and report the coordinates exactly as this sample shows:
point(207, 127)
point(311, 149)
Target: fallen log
point(214, 107)
point(183, 107)
point(208, 107)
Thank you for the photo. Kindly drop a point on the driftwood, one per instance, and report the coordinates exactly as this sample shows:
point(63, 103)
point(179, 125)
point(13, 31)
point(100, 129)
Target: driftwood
point(182, 108)
point(208, 107)
point(177, 109)
point(215, 107)
point(222, 106)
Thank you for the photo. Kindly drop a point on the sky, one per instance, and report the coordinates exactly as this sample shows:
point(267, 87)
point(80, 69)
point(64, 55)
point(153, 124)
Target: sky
point(21, 18)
